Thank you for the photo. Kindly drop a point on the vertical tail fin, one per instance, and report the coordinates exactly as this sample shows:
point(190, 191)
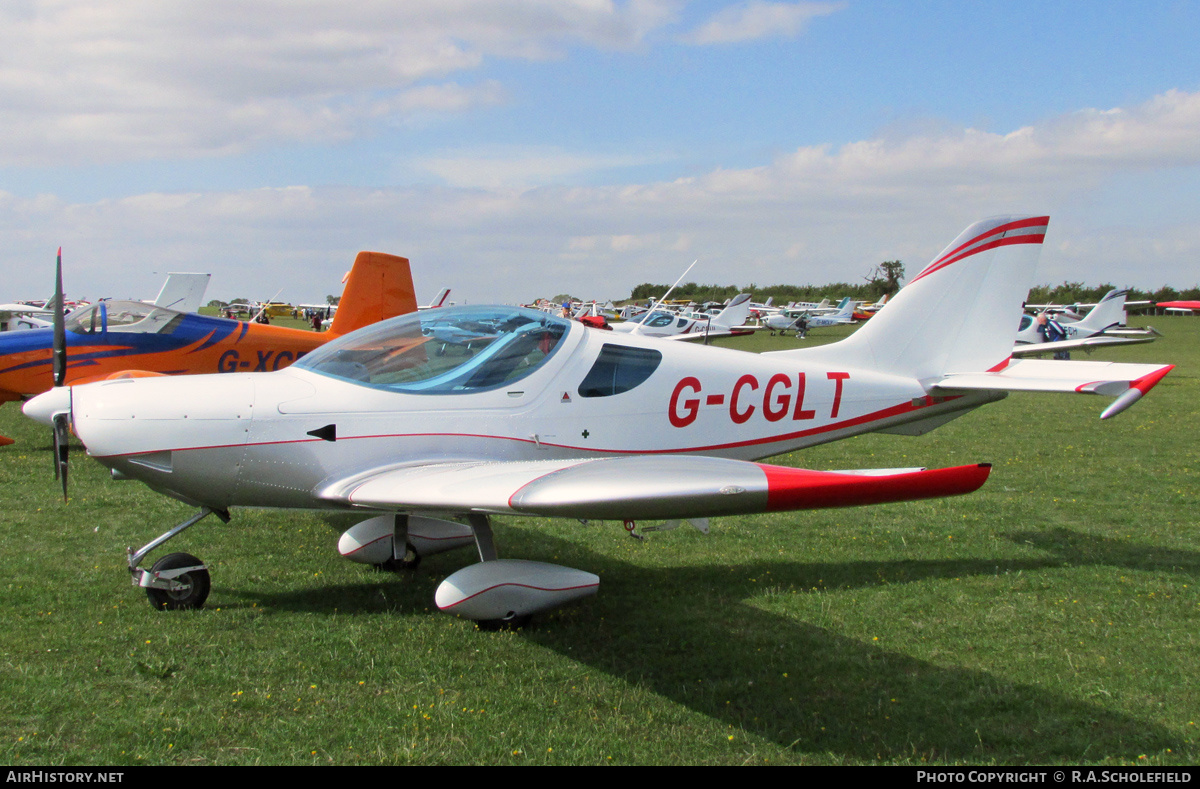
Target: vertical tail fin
point(183, 291)
point(379, 286)
point(1109, 312)
point(960, 313)
point(737, 313)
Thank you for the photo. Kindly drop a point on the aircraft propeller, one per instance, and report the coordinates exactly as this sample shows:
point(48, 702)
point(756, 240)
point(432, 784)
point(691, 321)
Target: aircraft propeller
point(61, 420)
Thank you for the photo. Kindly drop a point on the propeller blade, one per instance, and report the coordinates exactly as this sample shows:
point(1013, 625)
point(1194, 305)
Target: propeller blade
point(61, 449)
point(60, 327)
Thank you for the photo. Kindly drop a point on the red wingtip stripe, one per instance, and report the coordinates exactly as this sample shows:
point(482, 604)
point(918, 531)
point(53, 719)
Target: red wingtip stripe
point(1148, 382)
point(803, 489)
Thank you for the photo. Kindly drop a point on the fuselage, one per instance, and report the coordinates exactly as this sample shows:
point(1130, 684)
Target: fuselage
point(254, 439)
point(158, 340)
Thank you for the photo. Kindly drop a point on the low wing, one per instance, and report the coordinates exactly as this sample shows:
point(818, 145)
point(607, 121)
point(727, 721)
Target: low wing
point(1126, 382)
point(1085, 344)
point(702, 335)
point(640, 487)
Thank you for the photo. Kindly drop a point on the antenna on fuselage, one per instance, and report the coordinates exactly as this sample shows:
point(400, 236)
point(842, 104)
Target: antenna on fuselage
point(654, 304)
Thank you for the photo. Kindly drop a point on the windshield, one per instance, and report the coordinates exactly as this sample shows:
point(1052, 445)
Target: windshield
point(444, 351)
point(656, 319)
point(123, 316)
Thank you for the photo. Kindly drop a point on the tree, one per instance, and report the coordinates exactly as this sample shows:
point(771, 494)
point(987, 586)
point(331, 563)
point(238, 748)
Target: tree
point(884, 279)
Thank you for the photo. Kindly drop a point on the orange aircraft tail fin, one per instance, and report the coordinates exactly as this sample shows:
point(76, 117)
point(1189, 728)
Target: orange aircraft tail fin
point(380, 286)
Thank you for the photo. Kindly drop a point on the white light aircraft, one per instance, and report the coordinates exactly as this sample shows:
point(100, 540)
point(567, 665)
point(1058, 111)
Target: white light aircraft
point(551, 418)
point(438, 302)
point(1102, 326)
point(790, 320)
point(692, 326)
point(183, 291)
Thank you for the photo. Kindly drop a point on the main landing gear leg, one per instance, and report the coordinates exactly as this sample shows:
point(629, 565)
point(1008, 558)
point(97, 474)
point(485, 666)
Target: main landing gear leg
point(177, 581)
point(481, 525)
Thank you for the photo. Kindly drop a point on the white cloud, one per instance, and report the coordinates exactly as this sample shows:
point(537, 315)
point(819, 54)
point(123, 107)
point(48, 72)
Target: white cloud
point(518, 169)
point(818, 214)
point(757, 19)
point(102, 82)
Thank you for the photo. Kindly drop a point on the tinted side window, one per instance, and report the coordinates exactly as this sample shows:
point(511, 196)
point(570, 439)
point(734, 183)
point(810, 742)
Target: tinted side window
point(618, 369)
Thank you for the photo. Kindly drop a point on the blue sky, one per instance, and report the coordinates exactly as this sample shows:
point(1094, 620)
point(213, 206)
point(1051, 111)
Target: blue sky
point(516, 149)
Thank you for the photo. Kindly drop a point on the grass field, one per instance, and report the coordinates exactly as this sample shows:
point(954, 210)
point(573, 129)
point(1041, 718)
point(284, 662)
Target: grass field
point(1052, 617)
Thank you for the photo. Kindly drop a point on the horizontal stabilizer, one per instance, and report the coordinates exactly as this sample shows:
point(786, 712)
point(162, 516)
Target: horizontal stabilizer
point(1126, 382)
point(642, 487)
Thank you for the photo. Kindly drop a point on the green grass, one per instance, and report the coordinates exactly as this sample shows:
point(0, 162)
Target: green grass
point(1051, 617)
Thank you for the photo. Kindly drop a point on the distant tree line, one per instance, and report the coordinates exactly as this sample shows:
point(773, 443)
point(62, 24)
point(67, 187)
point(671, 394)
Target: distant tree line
point(884, 278)
point(1066, 293)
point(782, 293)
point(1072, 292)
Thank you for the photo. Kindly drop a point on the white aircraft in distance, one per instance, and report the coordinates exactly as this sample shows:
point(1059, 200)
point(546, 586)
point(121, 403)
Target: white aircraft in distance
point(438, 300)
point(821, 307)
point(1076, 311)
point(20, 317)
point(183, 291)
point(1102, 326)
point(553, 419)
point(790, 319)
point(693, 326)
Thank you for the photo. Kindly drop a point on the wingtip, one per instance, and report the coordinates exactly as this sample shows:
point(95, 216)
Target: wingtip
point(1137, 389)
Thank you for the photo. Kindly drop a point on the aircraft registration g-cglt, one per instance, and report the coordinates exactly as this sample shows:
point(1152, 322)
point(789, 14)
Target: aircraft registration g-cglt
point(542, 416)
point(122, 339)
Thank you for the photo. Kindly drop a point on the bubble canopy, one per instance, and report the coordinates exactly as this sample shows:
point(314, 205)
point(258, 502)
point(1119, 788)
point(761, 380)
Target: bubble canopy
point(451, 350)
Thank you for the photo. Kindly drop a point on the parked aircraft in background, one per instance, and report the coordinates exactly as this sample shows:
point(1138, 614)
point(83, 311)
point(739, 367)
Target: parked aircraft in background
point(126, 338)
point(180, 291)
point(183, 291)
point(1180, 306)
point(22, 317)
point(438, 300)
point(1102, 326)
point(552, 419)
point(790, 320)
point(692, 326)
point(864, 311)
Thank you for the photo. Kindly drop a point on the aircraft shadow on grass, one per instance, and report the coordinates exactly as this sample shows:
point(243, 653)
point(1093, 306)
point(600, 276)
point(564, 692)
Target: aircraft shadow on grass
point(1077, 548)
point(796, 684)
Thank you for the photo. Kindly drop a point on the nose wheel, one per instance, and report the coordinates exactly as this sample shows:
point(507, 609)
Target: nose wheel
point(181, 583)
point(177, 581)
